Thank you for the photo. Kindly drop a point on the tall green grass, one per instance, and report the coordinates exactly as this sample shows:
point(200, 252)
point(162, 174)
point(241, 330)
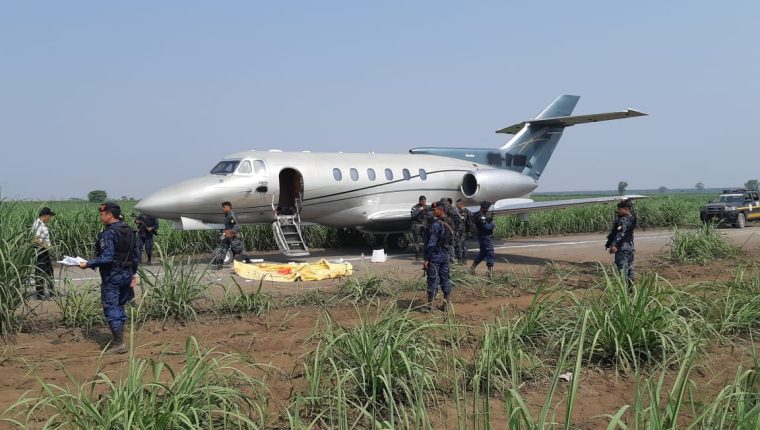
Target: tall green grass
point(381, 371)
point(17, 256)
point(211, 390)
point(631, 327)
point(174, 290)
point(80, 307)
point(700, 246)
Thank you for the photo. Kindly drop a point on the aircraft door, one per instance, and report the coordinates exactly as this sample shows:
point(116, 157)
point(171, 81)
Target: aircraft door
point(291, 192)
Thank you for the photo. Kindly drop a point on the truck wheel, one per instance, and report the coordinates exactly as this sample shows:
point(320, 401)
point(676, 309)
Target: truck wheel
point(741, 220)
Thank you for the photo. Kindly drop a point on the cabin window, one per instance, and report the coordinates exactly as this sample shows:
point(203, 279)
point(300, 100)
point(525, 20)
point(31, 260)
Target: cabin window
point(389, 174)
point(354, 174)
point(259, 167)
point(519, 160)
point(371, 174)
point(337, 174)
point(245, 168)
point(406, 174)
point(423, 174)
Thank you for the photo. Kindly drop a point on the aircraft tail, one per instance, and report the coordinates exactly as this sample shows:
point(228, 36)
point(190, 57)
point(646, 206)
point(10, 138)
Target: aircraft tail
point(534, 142)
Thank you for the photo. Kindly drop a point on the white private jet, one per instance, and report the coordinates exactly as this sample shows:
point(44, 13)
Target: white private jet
point(373, 192)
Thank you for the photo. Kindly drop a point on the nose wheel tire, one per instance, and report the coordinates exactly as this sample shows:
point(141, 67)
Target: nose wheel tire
point(741, 221)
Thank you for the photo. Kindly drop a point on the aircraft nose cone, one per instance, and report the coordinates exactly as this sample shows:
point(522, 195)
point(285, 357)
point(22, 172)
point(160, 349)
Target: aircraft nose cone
point(166, 203)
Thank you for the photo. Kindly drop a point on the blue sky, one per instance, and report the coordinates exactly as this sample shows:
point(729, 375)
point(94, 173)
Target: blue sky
point(132, 96)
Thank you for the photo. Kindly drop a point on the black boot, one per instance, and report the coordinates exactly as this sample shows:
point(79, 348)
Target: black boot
point(490, 271)
point(446, 303)
point(428, 306)
point(117, 343)
point(472, 268)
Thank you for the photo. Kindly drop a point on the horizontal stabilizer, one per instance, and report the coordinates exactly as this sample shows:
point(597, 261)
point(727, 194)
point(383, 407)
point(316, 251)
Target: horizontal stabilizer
point(567, 121)
point(521, 206)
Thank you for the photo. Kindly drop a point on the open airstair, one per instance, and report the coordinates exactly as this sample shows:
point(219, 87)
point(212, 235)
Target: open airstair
point(287, 231)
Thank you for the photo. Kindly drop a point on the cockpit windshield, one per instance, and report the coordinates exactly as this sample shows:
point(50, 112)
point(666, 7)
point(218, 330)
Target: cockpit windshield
point(730, 198)
point(225, 167)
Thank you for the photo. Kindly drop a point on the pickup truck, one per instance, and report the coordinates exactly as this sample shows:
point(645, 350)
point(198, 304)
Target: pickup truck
point(736, 207)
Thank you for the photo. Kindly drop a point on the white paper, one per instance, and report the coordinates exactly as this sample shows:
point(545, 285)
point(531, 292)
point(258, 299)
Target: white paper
point(71, 261)
point(378, 256)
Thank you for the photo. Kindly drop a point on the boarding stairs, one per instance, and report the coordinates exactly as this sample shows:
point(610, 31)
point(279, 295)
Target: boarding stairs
point(287, 232)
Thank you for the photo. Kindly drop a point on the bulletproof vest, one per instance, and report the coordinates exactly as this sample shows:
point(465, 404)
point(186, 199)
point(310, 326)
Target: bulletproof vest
point(123, 246)
point(229, 220)
point(480, 224)
point(418, 216)
point(629, 233)
point(454, 216)
point(447, 237)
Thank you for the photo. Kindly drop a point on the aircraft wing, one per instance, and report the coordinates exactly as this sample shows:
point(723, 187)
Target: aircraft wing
point(521, 206)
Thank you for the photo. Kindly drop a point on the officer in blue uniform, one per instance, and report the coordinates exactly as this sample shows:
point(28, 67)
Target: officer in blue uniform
point(484, 227)
point(231, 239)
point(436, 262)
point(117, 259)
point(620, 240)
point(147, 227)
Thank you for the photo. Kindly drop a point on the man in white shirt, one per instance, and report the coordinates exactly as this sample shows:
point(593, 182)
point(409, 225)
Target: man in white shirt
point(42, 244)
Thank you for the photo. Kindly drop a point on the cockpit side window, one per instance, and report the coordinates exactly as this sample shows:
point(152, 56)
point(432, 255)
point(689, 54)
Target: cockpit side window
point(259, 167)
point(245, 168)
point(225, 167)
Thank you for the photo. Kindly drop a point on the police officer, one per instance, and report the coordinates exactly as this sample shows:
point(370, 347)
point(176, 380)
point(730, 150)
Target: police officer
point(117, 259)
point(419, 225)
point(620, 239)
point(464, 229)
point(231, 239)
point(455, 222)
point(436, 263)
point(484, 227)
point(147, 227)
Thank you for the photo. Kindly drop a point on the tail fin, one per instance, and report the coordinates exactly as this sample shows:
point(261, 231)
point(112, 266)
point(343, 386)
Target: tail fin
point(533, 145)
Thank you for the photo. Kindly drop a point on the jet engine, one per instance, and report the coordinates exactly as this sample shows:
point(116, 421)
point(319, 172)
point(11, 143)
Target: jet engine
point(496, 184)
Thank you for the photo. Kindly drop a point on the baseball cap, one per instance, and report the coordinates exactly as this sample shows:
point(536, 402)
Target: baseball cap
point(46, 211)
point(485, 204)
point(110, 207)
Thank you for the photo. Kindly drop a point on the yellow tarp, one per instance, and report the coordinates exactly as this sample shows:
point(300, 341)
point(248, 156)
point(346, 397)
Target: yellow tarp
point(292, 272)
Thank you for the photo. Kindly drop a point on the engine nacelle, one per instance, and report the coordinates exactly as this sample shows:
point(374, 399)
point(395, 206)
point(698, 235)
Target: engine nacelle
point(496, 184)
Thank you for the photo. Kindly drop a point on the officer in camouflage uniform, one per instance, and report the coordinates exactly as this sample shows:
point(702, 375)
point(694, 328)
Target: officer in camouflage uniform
point(231, 240)
point(117, 259)
point(455, 222)
point(460, 246)
point(419, 225)
point(620, 240)
point(484, 226)
point(147, 227)
point(436, 263)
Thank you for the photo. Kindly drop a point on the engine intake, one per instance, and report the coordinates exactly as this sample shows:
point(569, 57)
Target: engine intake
point(495, 184)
